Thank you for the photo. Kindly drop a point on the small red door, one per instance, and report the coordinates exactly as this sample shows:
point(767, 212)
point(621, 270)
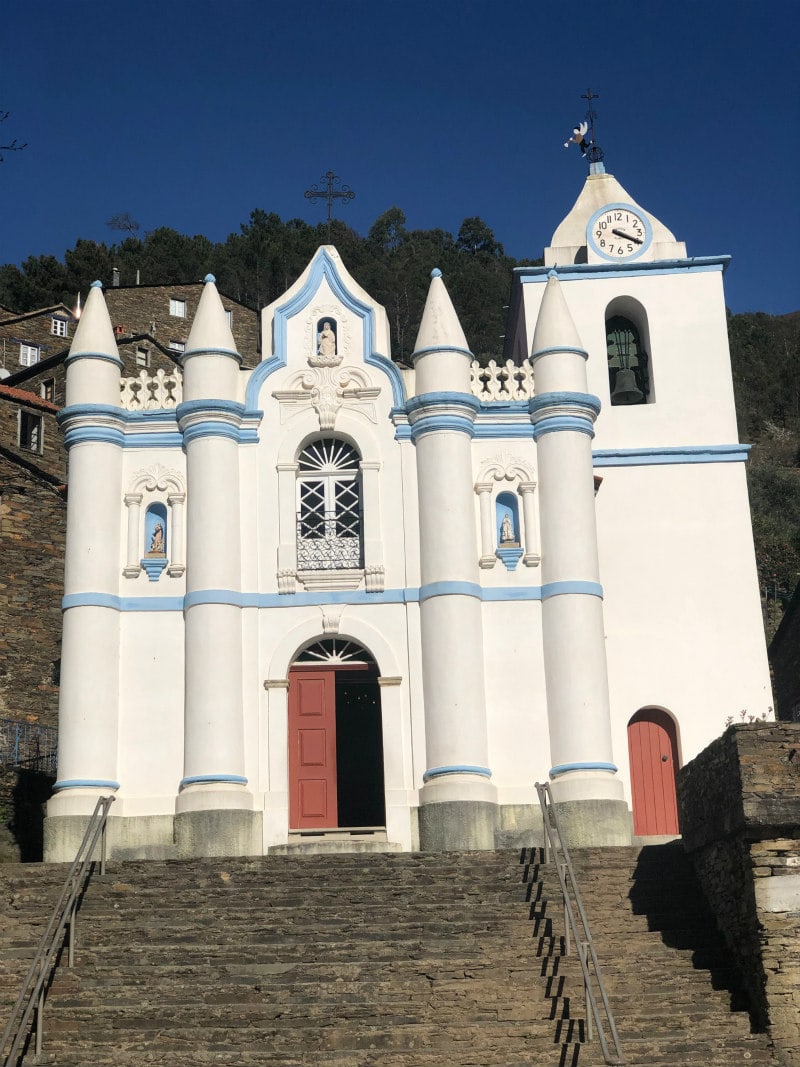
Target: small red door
point(312, 750)
point(653, 750)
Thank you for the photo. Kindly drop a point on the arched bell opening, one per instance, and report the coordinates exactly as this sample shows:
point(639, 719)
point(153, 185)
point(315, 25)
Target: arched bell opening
point(654, 761)
point(336, 777)
point(628, 353)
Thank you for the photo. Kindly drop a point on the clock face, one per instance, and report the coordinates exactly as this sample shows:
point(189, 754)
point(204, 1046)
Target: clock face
point(619, 232)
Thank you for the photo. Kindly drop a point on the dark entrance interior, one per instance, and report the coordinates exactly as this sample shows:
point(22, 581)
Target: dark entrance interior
point(359, 749)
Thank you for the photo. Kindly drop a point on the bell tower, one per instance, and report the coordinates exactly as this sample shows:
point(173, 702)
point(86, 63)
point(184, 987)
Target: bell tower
point(676, 574)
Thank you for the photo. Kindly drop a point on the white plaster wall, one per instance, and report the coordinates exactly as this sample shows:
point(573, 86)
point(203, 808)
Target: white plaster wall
point(690, 362)
point(151, 716)
point(683, 620)
point(519, 746)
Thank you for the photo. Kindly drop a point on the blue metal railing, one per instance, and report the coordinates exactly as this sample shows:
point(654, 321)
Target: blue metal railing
point(28, 744)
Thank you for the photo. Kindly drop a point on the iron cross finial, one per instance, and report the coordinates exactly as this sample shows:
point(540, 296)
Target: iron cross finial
point(594, 153)
point(329, 193)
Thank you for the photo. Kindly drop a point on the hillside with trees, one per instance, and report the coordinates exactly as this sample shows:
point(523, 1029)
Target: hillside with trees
point(393, 263)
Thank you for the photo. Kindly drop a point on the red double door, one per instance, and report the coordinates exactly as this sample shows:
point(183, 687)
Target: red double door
point(653, 751)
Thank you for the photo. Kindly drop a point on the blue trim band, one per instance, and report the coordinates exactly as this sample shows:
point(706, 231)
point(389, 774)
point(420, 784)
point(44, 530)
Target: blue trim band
point(85, 783)
point(558, 351)
point(575, 271)
point(640, 457)
point(443, 399)
point(557, 423)
point(434, 589)
point(211, 428)
point(121, 603)
point(212, 779)
point(442, 423)
point(105, 357)
point(209, 407)
point(88, 411)
point(565, 768)
point(571, 588)
point(228, 597)
point(162, 439)
point(104, 435)
point(583, 401)
point(441, 348)
point(233, 598)
point(458, 768)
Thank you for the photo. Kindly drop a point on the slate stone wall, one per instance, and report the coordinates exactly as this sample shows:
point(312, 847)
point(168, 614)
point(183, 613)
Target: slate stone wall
point(739, 804)
point(32, 535)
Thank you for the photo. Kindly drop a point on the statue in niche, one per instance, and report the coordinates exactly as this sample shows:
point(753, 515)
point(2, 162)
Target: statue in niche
point(157, 546)
point(326, 341)
point(507, 535)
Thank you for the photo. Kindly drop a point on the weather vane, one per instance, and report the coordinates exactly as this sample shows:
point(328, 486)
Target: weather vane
point(330, 194)
point(589, 147)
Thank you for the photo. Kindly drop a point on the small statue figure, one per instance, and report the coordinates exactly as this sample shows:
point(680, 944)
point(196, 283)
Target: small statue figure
point(326, 341)
point(506, 530)
point(157, 540)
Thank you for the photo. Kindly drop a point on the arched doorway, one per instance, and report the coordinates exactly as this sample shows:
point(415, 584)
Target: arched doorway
point(653, 752)
point(335, 739)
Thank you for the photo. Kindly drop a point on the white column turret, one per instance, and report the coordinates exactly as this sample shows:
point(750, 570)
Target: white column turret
point(214, 807)
point(457, 800)
point(584, 775)
point(92, 421)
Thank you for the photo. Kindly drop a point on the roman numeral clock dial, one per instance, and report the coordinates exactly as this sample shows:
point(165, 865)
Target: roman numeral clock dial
point(618, 233)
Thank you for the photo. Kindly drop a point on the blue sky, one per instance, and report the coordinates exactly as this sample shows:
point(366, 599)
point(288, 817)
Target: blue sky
point(191, 115)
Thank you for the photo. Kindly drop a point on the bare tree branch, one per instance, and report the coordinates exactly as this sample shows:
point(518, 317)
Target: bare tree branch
point(12, 146)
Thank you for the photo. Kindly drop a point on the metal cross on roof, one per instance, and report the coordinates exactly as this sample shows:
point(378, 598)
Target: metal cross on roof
point(594, 153)
point(329, 193)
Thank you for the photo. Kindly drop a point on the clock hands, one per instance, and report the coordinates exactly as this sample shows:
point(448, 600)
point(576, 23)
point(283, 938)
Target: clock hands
point(627, 236)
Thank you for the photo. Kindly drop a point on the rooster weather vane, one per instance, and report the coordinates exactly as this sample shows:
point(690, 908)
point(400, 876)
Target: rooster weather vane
point(590, 150)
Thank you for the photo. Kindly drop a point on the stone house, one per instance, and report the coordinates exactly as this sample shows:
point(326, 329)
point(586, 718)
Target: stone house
point(32, 533)
point(150, 322)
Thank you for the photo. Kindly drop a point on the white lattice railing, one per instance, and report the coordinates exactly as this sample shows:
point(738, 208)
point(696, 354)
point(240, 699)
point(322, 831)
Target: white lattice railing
point(501, 381)
point(149, 392)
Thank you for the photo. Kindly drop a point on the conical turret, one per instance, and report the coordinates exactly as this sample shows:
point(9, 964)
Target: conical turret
point(211, 362)
point(441, 355)
point(93, 363)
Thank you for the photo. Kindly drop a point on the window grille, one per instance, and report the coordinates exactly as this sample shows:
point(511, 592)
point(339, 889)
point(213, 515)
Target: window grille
point(329, 513)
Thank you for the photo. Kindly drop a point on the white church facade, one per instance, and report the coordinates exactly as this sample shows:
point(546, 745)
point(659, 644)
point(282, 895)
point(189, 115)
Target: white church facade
point(331, 601)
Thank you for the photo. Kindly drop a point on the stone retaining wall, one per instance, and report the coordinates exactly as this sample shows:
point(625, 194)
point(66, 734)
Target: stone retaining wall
point(739, 804)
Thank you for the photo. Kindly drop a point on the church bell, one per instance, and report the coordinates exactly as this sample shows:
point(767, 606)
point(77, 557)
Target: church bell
point(626, 391)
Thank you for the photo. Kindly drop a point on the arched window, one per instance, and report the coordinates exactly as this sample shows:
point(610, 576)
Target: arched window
point(329, 513)
point(628, 363)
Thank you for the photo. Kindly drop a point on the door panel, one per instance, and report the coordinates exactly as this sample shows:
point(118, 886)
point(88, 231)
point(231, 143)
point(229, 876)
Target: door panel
point(312, 750)
point(652, 746)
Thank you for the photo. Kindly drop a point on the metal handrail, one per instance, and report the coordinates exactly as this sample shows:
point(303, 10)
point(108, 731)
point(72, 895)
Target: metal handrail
point(32, 994)
point(553, 842)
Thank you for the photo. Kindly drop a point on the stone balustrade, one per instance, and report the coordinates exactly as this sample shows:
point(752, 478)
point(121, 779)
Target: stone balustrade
point(494, 383)
point(151, 392)
point(501, 381)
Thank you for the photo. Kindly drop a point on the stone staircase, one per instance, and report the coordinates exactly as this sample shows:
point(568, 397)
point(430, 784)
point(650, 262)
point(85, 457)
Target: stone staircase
point(422, 960)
